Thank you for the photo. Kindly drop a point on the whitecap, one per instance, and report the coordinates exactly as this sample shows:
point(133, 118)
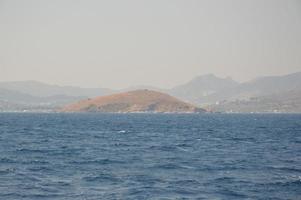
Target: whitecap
point(122, 131)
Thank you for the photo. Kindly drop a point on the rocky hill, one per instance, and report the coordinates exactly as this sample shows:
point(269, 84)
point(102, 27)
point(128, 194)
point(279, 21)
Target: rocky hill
point(133, 101)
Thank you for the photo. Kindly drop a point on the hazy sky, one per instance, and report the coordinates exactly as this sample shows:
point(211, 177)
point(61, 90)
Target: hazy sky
point(117, 43)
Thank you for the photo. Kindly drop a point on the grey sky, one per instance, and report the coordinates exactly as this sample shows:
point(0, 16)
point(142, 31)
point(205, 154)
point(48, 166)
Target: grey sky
point(156, 42)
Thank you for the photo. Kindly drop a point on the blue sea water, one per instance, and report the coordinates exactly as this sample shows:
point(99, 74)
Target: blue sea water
point(150, 156)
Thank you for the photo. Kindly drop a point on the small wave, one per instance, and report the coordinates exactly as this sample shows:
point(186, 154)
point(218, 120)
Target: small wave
point(188, 167)
point(182, 149)
point(7, 171)
point(7, 160)
point(231, 193)
point(286, 169)
point(183, 145)
point(168, 166)
point(101, 161)
point(284, 183)
point(33, 150)
point(186, 182)
point(35, 162)
point(57, 183)
point(40, 168)
point(224, 179)
point(122, 131)
point(101, 178)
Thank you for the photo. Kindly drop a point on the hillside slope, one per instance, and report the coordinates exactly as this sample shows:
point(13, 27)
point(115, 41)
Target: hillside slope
point(284, 102)
point(208, 89)
point(39, 89)
point(133, 101)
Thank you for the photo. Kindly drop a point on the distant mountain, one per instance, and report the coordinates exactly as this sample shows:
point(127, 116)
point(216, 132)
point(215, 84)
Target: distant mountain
point(208, 89)
point(200, 89)
point(285, 102)
point(133, 101)
point(39, 89)
point(37, 96)
point(17, 97)
point(17, 101)
point(268, 85)
point(222, 94)
point(142, 87)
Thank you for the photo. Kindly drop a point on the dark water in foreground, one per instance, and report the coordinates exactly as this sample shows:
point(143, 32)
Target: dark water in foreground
point(150, 156)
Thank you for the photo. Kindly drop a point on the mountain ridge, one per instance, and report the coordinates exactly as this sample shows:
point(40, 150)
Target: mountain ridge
point(201, 87)
point(203, 91)
point(40, 89)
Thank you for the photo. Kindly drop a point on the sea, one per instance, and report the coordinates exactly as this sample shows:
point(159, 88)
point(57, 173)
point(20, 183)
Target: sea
point(150, 156)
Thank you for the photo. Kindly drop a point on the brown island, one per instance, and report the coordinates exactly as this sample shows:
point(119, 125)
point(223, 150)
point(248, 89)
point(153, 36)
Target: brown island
point(134, 101)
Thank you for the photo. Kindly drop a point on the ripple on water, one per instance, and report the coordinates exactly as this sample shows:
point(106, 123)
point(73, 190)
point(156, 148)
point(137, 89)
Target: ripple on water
point(108, 156)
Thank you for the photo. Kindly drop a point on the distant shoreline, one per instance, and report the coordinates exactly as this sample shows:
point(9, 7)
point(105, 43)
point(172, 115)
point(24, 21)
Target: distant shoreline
point(148, 113)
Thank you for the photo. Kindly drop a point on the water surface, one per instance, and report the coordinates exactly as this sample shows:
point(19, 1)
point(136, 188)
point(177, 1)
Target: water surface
point(150, 156)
